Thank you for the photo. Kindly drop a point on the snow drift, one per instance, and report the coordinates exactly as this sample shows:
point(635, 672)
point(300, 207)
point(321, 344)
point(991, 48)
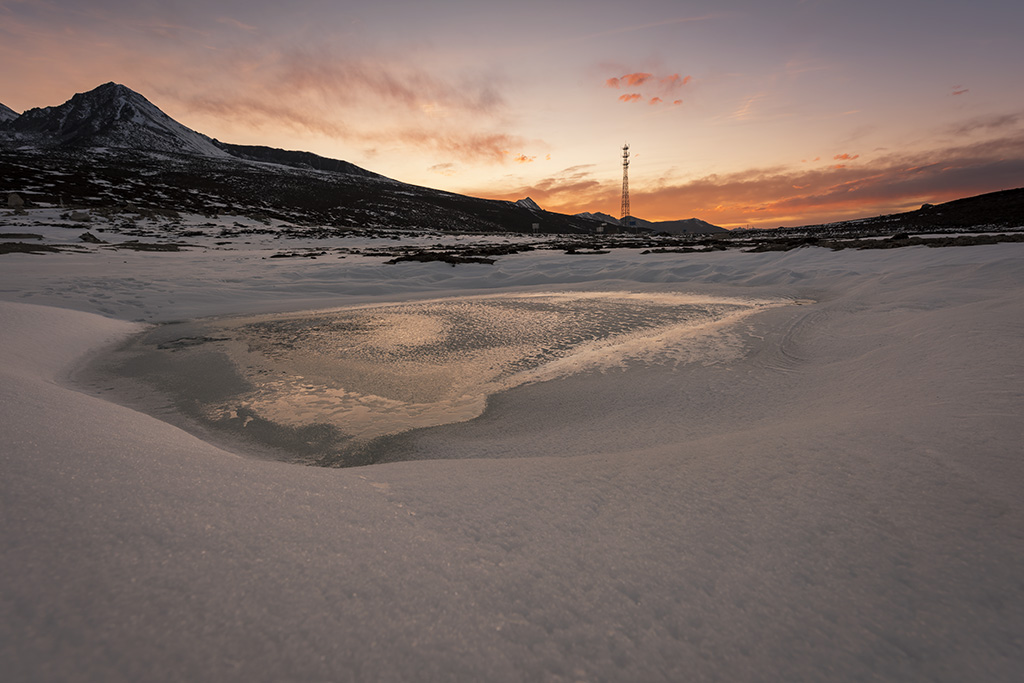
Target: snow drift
point(838, 500)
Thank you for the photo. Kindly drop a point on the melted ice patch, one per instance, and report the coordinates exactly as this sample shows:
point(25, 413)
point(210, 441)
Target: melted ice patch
point(379, 370)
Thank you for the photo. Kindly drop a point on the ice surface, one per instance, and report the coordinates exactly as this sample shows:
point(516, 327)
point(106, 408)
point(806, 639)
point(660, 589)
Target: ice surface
point(836, 498)
point(323, 385)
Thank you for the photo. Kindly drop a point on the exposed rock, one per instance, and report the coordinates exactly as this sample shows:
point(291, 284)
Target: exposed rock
point(453, 259)
point(24, 248)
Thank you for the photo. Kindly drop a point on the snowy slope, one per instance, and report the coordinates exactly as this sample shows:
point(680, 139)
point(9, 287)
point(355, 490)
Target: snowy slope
point(7, 114)
point(112, 116)
point(837, 498)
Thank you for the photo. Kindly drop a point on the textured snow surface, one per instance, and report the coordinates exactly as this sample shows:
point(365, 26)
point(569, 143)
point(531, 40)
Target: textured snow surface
point(840, 501)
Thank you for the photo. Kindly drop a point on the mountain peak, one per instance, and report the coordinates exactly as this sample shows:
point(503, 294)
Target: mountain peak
point(111, 115)
point(528, 203)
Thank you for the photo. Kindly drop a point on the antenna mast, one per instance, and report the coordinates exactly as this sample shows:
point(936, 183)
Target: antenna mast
point(625, 182)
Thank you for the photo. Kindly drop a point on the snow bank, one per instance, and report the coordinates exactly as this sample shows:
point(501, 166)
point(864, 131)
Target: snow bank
point(840, 501)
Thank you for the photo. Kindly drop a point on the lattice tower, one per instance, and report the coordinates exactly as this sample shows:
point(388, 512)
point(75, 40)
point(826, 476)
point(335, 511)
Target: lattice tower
point(625, 183)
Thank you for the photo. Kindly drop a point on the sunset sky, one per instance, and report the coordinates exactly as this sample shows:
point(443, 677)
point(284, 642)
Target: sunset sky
point(759, 112)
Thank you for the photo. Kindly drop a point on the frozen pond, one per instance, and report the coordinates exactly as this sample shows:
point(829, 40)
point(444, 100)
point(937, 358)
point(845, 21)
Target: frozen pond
point(325, 386)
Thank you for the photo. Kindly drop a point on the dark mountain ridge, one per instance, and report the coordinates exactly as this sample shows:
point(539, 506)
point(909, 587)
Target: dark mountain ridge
point(998, 210)
point(272, 155)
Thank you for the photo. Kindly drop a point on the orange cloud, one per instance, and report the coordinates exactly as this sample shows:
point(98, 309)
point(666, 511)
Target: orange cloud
point(663, 86)
point(636, 79)
point(845, 157)
point(523, 159)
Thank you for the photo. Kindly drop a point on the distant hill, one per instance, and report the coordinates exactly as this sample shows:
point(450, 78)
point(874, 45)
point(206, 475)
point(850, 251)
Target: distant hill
point(686, 226)
point(1002, 209)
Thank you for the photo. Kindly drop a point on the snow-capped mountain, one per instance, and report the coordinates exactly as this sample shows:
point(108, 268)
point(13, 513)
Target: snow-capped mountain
point(527, 203)
point(598, 216)
point(110, 116)
point(7, 114)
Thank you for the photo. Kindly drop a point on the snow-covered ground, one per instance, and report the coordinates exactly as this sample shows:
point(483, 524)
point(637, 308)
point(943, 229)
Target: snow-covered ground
point(835, 498)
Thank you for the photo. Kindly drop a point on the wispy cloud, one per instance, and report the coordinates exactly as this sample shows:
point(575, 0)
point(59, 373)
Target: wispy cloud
point(655, 24)
point(236, 24)
point(445, 169)
point(746, 108)
point(988, 124)
point(344, 80)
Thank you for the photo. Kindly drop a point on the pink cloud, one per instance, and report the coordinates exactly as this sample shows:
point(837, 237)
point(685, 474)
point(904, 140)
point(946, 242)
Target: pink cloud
point(655, 100)
point(612, 83)
point(675, 81)
point(632, 97)
point(636, 78)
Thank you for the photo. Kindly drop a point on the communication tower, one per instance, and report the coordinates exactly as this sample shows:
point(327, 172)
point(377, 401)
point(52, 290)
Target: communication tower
point(625, 183)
